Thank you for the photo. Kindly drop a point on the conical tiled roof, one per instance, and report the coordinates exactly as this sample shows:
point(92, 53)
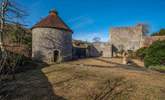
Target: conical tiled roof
point(52, 21)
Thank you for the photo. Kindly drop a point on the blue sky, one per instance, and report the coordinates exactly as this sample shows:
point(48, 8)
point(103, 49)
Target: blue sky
point(94, 18)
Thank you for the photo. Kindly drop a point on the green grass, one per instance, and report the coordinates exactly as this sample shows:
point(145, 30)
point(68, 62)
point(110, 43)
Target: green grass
point(158, 68)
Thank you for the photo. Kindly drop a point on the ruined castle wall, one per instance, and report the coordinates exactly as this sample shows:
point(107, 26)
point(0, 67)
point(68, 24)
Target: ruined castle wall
point(148, 40)
point(107, 50)
point(127, 38)
point(101, 49)
point(47, 40)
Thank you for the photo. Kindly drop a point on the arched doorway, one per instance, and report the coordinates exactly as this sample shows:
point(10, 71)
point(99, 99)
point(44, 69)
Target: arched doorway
point(56, 55)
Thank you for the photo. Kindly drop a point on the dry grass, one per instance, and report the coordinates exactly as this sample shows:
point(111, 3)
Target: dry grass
point(88, 79)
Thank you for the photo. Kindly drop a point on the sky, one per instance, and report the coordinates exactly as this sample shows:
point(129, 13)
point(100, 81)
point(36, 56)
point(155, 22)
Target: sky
point(95, 18)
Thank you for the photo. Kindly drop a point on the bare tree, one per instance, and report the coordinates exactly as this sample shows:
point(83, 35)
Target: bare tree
point(96, 39)
point(10, 15)
point(4, 4)
point(56, 44)
point(145, 29)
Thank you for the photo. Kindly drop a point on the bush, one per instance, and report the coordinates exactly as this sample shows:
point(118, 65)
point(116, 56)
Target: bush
point(141, 53)
point(155, 54)
point(13, 63)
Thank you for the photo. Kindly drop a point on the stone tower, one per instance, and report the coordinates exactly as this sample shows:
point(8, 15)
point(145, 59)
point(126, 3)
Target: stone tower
point(127, 38)
point(51, 39)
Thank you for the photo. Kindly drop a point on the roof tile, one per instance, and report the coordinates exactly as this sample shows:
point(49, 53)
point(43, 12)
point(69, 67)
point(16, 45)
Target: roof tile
point(53, 21)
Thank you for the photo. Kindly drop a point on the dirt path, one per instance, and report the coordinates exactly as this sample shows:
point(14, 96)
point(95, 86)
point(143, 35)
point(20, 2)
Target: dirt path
point(90, 79)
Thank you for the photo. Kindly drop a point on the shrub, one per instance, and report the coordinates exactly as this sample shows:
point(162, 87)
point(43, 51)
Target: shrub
point(13, 63)
point(141, 53)
point(155, 54)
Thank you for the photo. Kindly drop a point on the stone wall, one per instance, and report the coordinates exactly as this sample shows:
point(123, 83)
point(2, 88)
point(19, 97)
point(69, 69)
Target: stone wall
point(148, 40)
point(47, 40)
point(126, 38)
point(101, 49)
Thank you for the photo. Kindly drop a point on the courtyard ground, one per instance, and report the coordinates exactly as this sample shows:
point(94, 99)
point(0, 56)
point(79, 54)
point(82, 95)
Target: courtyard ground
point(88, 79)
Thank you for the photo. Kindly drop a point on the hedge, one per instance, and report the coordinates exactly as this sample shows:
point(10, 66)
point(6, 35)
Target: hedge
point(155, 54)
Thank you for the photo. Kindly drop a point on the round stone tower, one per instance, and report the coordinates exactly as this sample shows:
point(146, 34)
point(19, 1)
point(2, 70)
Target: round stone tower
point(51, 39)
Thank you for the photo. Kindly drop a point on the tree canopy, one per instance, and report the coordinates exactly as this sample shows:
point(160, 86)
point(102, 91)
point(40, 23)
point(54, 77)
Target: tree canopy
point(160, 33)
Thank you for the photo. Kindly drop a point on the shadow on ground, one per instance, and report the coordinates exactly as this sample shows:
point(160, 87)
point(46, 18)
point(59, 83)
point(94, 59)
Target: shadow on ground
point(29, 85)
point(112, 64)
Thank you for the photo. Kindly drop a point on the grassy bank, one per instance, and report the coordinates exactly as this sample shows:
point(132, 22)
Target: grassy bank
point(158, 68)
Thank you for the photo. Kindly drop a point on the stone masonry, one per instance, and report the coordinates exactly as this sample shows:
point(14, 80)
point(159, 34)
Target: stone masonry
point(51, 40)
point(127, 38)
point(47, 40)
point(101, 49)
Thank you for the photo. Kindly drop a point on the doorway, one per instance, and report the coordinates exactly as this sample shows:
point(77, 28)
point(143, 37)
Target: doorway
point(56, 55)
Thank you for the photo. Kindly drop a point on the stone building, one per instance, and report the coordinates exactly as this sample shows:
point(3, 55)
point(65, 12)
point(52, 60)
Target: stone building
point(51, 39)
point(101, 49)
point(127, 38)
point(80, 49)
point(83, 49)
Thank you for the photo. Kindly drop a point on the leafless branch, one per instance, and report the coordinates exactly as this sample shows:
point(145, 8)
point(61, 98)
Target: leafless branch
point(10, 14)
